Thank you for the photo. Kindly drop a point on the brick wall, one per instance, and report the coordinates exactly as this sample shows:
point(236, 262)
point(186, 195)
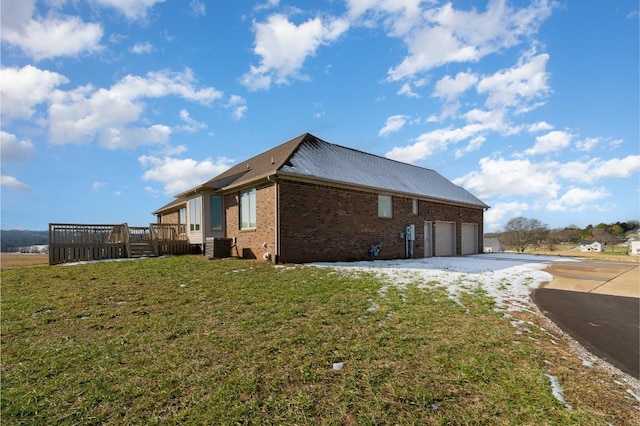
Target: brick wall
point(322, 223)
point(252, 243)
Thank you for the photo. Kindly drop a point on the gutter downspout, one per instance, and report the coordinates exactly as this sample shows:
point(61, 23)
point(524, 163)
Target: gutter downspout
point(276, 231)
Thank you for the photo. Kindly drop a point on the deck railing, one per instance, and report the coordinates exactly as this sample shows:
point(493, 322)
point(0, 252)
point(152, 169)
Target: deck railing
point(167, 239)
point(167, 232)
point(73, 242)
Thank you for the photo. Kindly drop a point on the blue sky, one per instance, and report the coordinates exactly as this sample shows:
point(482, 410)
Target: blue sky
point(111, 107)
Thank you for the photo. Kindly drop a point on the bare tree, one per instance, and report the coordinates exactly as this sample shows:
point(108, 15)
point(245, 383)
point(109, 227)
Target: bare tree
point(555, 237)
point(601, 234)
point(521, 232)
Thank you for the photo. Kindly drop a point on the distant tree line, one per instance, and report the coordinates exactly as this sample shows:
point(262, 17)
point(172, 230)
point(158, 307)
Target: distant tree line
point(521, 233)
point(13, 240)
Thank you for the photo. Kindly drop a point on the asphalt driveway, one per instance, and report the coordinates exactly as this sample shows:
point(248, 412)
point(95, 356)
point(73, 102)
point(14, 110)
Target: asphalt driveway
point(598, 304)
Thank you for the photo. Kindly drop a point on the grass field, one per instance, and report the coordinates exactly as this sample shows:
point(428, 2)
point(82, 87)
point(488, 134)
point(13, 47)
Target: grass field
point(609, 256)
point(19, 260)
point(187, 340)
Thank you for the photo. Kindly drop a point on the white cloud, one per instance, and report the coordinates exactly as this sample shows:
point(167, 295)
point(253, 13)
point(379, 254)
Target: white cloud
point(394, 124)
point(13, 149)
point(238, 106)
point(588, 144)
point(399, 16)
point(164, 83)
point(501, 212)
point(541, 126)
point(177, 175)
point(518, 86)
point(82, 114)
point(11, 182)
point(284, 46)
point(545, 182)
point(268, 4)
point(407, 90)
point(190, 125)
point(444, 34)
point(449, 89)
point(141, 48)
point(24, 88)
point(501, 178)
point(588, 171)
point(198, 8)
point(578, 199)
point(52, 34)
point(431, 142)
point(48, 36)
point(614, 143)
point(97, 186)
point(16, 13)
point(555, 140)
point(132, 137)
point(473, 145)
point(479, 122)
point(132, 9)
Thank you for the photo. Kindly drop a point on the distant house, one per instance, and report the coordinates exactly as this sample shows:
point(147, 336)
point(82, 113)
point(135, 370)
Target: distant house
point(634, 248)
point(310, 200)
point(596, 246)
point(492, 245)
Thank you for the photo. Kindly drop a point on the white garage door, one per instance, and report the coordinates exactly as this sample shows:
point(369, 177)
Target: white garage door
point(469, 236)
point(445, 239)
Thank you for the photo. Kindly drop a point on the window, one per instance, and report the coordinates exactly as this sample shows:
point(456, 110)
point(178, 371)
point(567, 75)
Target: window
point(194, 214)
point(384, 206)
point(415, 206)
point(216, 213)
point(182, 221)
point(248, 209)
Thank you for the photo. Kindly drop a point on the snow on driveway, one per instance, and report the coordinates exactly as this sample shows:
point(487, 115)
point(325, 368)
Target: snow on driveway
point(506, 277)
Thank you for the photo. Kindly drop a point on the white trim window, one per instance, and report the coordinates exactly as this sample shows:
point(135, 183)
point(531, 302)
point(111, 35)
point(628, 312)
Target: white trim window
point(194, 214)
point(182, 221)
point(248, 209)
point(385, 206)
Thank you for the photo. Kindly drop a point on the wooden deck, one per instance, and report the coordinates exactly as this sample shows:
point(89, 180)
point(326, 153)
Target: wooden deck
point(74, 242)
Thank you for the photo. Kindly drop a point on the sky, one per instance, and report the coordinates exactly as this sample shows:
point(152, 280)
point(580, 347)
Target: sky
point(109, 108)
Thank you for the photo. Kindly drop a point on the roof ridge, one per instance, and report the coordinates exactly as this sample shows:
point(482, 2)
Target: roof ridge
point(371, 154)
point(301, 139)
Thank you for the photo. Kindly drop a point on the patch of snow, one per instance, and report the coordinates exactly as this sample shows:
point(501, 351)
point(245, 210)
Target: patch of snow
point(633, 394)
point(586, 363)
point(374, 307)
point(556, 388)
point(507, 278)
point(122, 259)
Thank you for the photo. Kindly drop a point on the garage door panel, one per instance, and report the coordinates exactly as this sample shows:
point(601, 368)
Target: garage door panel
point(469, 234)
point(445, 239)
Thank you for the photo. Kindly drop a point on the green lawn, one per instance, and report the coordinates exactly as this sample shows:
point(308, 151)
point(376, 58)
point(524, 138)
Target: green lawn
point(187, 340)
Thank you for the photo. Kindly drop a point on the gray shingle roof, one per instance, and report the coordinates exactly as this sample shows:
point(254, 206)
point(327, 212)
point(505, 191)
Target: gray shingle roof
point(320, 159)
point(312, 157)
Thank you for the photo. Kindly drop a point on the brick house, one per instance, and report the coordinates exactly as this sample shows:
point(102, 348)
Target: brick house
point(310, 200)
